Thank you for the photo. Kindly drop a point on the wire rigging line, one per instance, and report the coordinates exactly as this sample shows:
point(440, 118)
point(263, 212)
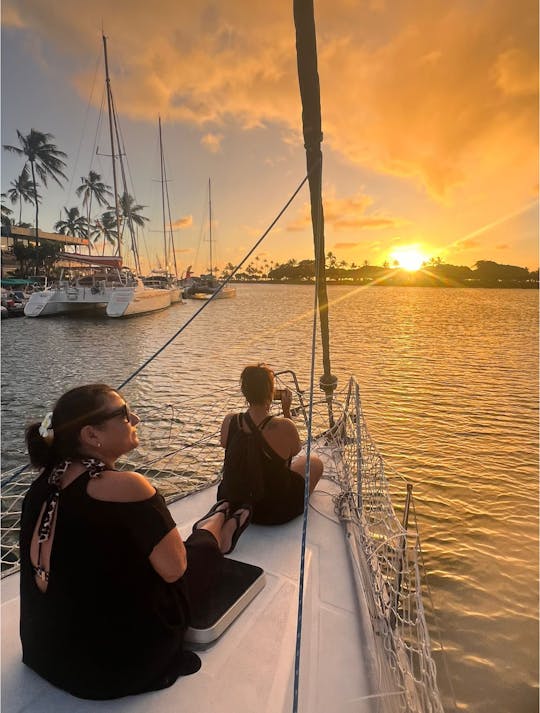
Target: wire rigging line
point(301, 577)
point(84, 128)
point(221, 286)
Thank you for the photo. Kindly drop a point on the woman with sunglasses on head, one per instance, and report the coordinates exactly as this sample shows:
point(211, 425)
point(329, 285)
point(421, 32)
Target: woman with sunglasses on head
point(106, 581)
point(263, 465)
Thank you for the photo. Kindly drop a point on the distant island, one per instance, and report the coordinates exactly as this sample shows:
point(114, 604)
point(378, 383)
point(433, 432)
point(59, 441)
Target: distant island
point(435, 273)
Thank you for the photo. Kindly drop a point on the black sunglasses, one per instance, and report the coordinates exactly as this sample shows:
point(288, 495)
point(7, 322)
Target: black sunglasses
point(122, 411)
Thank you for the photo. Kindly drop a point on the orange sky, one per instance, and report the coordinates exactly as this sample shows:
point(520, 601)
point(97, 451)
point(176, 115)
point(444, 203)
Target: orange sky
point(429, 118)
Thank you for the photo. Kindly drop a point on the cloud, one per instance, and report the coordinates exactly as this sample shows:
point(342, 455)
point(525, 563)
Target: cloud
point(212, 142)
point(346, 246)
point(502, 246)
point(466, 244)
point(346, 213)
point(182, 223)
point(11, 16)
point(443, 94)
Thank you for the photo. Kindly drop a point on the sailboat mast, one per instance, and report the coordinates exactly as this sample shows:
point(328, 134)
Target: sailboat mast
point(210, 226)
point(308, 78)
point(163, 196)
point(109, 104)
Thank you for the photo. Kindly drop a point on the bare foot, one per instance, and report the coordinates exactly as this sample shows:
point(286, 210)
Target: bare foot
point(214, 524)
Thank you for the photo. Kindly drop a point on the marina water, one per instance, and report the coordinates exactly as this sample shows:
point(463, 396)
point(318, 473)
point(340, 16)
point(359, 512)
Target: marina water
point(449, 381)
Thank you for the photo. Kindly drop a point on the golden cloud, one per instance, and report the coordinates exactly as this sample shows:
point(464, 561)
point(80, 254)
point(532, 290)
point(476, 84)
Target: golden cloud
point(346, 246)
point(182, 223)
point(212, 142)
point(344, 214)
point(434, 92)
point(11, 16)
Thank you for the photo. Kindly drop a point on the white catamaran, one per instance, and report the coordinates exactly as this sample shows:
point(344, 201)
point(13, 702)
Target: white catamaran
point(335, 621)
point(116, 294)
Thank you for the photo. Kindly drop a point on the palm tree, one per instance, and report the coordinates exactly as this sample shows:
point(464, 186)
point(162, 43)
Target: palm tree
point(131, 210)
point(106, 229)
point(45, 159)
point(74, 224)
point(93, 187)
point(21, 189)
point(6, 212)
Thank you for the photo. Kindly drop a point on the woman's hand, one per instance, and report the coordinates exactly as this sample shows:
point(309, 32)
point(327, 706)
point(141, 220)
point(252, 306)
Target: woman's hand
point(286, 401)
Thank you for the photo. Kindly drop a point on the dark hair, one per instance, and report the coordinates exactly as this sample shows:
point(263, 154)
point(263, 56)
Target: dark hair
point(257, 384)
point(77, 408)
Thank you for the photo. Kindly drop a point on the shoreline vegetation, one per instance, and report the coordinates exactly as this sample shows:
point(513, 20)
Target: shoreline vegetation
point(435, 273)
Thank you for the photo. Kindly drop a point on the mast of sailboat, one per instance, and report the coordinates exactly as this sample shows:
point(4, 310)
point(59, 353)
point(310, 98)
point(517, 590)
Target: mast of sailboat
point(210, 225)
point(163, 197)
point(308, 78)
point(113, 156)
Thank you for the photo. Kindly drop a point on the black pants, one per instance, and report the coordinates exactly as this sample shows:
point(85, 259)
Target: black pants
point(204, 566)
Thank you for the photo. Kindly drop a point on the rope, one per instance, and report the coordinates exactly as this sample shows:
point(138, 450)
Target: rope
point(214, 295)
point(305, 517)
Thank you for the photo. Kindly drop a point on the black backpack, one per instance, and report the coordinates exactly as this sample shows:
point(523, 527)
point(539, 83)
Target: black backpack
point(243, 467)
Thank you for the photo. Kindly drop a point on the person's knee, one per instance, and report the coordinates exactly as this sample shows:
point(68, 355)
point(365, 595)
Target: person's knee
point(316, 465)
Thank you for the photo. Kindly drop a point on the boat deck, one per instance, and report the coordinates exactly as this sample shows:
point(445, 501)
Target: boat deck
point(250, 668)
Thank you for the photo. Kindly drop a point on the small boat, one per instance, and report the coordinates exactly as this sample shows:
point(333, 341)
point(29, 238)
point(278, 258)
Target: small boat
point(206, 286)
point(163, 279)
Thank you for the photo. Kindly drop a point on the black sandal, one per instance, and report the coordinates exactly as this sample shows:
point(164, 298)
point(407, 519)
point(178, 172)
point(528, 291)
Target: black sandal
point(213, 510)
point(239, 528)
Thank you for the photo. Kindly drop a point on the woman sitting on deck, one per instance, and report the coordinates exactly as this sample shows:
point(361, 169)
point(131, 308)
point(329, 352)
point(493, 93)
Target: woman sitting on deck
point(106, 581)
point(260, 466)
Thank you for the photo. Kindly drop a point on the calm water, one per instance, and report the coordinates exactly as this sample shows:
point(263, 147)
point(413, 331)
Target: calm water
point(449, 381)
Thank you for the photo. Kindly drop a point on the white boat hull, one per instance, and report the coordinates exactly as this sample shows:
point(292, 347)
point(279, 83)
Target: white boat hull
point(65, 301)
point(251, 666)
point(129, 301)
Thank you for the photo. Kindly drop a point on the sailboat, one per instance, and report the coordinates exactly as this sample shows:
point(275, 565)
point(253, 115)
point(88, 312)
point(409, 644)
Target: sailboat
point(163, 279)
point(103, 285)
point(336, 620)
point(134, 297)
point(207, 286)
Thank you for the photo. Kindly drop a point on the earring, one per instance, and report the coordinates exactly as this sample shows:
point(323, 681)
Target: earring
point(99, 445)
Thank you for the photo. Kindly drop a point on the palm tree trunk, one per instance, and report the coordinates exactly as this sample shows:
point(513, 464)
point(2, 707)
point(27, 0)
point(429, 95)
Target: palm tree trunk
point(37, 212)
point(88, 224)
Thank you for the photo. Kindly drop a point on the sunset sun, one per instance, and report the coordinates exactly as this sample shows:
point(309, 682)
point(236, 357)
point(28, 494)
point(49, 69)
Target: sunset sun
point(408, 258)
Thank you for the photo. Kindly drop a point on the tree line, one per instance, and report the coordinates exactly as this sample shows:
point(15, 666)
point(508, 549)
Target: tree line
point(433, 273)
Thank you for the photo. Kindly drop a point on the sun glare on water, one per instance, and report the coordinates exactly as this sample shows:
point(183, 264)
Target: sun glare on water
point(409, 258)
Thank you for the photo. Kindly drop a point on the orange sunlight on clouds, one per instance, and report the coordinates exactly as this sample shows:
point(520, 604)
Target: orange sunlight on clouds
point(442, 97)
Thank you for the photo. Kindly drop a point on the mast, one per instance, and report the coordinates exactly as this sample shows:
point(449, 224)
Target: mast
point(109, 104)
point(308, 78)
point(210, 225)
point(163, 196)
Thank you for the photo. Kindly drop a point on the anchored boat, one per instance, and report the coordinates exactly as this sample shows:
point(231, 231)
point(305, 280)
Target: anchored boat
point(207, 286)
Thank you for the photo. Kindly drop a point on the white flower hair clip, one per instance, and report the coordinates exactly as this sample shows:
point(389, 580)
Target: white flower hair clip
point(45, 430)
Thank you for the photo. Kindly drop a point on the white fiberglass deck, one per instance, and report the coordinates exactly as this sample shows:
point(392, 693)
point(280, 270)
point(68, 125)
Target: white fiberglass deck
point(250, 669)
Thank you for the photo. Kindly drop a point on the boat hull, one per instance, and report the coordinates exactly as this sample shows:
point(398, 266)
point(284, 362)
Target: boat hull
point(65, 301)
point(129, 301)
